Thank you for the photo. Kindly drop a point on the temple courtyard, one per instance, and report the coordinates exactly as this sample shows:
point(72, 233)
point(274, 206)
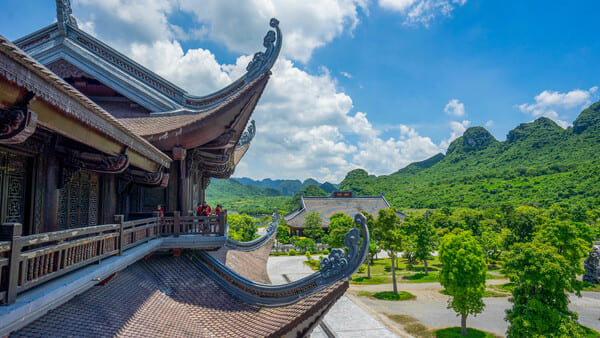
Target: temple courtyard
point(354, 315)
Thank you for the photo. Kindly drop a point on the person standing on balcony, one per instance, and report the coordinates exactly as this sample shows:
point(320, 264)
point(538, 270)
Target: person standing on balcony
point(161, 213)
point(218, 209)
point(206, 210)
point(199, 209)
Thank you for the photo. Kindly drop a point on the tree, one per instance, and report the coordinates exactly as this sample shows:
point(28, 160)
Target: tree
point(542, 278)
point(567, 238)
point(423, 234)
point(491, 244)
point(313, 225)
point(463, 275)
point(339, 225)
point(303, 244)
point(390, 237)
point(283, 234)
point(241, 227)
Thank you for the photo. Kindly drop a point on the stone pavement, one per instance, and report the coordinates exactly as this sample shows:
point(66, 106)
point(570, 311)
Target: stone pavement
point(345, 319)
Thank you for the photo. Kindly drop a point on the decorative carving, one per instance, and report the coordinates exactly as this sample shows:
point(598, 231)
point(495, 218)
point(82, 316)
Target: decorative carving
point(17, 123)
point(248, 135)
point(97, 162)
point(64, 13)
point(66, 174)
point(220, 141)
point(156, 179)
point(263, 61)
point(78, 200)
point(338, 261)
point(592, 266)
point(66, 70)
point(16, 182)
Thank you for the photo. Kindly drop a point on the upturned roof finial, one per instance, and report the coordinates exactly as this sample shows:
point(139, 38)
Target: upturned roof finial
point(64, 14)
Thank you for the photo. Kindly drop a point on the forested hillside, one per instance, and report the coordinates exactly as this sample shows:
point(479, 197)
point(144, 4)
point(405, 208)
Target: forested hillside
point(539, 164)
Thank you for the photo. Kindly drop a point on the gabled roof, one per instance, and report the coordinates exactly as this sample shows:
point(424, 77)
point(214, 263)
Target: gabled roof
point(330, 205)
point(64, 40)
point(55, 96)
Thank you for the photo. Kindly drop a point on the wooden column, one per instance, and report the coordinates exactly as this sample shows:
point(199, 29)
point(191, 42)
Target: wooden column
point(108, 199)
point(51, 194)
point(183, 196)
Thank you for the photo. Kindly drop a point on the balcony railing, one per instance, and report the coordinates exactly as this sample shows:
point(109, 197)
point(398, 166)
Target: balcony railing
point(28, 261)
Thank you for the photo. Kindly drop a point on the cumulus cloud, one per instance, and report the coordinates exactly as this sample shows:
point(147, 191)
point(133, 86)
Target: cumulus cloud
point(457, 130)
point(548, 103)
point(306, 126)
point(346, 75)
point(421, 12)
point(489, 123)
point(455, 108)
point(240, 25)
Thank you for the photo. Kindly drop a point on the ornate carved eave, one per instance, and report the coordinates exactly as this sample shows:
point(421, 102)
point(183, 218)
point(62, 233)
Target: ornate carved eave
point(100, 163)
point(156, 179)
point(247, 135)
point(17, 123)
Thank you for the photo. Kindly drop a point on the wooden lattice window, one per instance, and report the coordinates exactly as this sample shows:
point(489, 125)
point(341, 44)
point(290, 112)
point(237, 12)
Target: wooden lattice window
point(78, 201)
point(14, 175)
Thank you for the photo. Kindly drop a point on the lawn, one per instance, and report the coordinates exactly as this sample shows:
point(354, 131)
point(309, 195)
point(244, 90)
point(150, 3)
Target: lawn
point(373, 280)
point(388, 295)
point(409, 273)
point(486, 293)
point(591, 287)
point(411, 325)
point(454, 332)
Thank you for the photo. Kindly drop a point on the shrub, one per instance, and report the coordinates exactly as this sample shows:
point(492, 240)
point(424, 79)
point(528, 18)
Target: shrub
point(276, 253)
point(387, 268)
point(308, 255)
point(325, 252)
point(292, 252)
point(361, 269)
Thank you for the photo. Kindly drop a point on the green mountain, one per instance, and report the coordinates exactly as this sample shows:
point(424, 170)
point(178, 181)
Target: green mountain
point(539, 164)
point(286, 187)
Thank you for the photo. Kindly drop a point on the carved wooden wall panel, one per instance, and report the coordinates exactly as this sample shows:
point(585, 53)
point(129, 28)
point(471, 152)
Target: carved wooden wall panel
point(78, 201)
point(14, 174)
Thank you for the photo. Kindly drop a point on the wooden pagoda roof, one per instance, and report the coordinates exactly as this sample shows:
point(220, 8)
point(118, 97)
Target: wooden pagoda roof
point(169, 117)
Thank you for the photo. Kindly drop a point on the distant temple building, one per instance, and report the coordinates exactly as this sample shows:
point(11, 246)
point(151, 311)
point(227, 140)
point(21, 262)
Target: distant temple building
point(339, 201)
point(91, 143)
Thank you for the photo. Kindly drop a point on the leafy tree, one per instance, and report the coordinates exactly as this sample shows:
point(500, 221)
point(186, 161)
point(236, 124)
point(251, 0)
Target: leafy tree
point(424, 238)
point(241, 227)
point(463, 275)
point(491, 243)
point(313, 225)
point(304, 244)
point(542, 278)
point(390, 237)
point(567, 238)
point(283, 234)
point(339, 225)
point(373, 250)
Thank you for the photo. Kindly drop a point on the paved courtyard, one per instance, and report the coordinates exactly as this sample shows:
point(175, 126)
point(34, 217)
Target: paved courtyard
point(354, 316)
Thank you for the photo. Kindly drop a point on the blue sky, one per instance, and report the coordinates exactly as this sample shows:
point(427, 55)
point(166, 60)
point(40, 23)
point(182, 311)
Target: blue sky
point(372, 84)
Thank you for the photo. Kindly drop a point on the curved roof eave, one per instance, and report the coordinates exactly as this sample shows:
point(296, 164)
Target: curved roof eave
point(142, 81)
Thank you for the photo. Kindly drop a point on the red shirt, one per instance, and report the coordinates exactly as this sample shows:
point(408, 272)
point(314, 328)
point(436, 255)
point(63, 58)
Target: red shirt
point(218, 211)
point(207, 210)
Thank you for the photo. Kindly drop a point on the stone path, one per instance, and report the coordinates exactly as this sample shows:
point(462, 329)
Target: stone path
point(345, 319)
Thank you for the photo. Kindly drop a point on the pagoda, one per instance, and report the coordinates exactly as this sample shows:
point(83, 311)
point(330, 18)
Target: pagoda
point(91, 142)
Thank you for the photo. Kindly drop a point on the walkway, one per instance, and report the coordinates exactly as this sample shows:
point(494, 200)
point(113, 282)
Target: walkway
point(345, 319)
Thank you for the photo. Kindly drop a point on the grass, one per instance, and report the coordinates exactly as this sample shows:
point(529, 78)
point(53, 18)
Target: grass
point(454, 332)
point(421, 277)
point(507, 287)
point(486, 293)
point(388, 295)
point(591, 287)
point(313, 264)
point(589, 333)
point(373, 280)
point(411, 325)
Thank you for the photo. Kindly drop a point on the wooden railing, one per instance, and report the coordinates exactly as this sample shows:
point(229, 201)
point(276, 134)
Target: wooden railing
point(28, 261)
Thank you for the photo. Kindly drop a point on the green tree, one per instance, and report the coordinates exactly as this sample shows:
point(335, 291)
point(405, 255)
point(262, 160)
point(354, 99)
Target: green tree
point(463, 275)
point(283, 234)
point(491, 243)
point(542, 279)
point(423, 234)
point(390, 237)
point(567, 238)
point(241, 227)
point(339, 225)
point(313, 225)
point(304, 244)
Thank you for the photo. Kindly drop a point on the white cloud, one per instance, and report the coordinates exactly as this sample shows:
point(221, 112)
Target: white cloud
point(548, 103)
point(422, 12)
point(489, 123)
point(346, 75)
point(455, 108)
point(457, 130)
point(240, 25)
point(305, 124)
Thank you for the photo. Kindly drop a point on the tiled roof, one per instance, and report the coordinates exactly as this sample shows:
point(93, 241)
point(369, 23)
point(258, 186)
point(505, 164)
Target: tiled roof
point(327, 206)
point(156, 124)
point(167, 296)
